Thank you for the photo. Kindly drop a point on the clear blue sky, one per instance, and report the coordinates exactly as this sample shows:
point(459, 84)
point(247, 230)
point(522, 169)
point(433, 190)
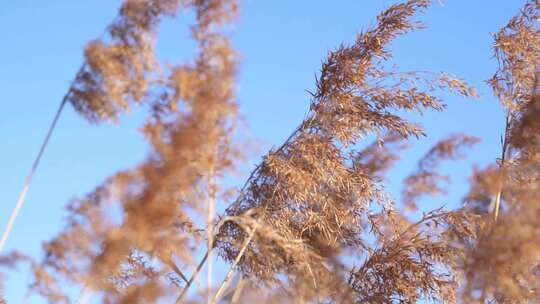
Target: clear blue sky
point(282, 44)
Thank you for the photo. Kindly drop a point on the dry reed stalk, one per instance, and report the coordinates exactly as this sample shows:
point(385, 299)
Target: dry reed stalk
point(210, 230)
point(28, 180)
point(504, 143)
point(238, 291)
point(192, 278)
point(230, 272)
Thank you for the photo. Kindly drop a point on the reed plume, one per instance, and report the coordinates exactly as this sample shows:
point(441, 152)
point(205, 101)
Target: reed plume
point(314, 222)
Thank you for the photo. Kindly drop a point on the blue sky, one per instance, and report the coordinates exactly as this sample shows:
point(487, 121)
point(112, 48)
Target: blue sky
point(282, 45)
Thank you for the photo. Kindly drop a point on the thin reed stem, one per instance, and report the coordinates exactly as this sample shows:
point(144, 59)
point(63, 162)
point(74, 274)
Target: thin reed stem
point(28, 181)
point(210, 230)
point(497, 204)
point(238, 291)
point(192, 278)
point(29, 177)
point(230, 272)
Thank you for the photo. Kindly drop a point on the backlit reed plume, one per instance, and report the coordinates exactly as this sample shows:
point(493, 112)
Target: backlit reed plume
point(503, 266)
point(124, 239)
point(313, 223)
point(308, 202)
point(427, 180)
